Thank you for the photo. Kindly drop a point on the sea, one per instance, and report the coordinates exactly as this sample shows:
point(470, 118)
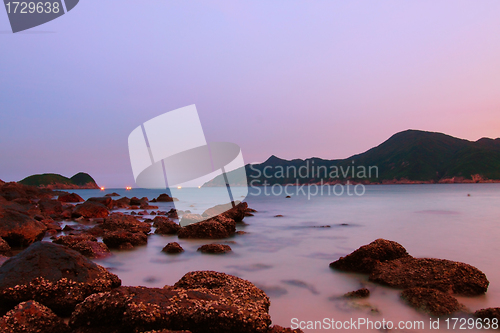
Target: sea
point(288, 257)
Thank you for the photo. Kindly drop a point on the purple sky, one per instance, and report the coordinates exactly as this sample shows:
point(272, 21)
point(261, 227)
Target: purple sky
point(292, 78)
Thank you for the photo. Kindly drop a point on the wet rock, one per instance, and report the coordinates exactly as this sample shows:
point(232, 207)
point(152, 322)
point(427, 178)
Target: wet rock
point(280, 329)
point(67, 227)
point(50, 207)
point(90, 209)
point(214, 228)
point(19, 229)
point(360, 293)
point(490, 313)
point(4, 248)
point(114, 194)
point(121, 203)
point(54, 276)
point(138, 202)
point(215, 248)
point(2, 260)
point(279, 215)
point(164, 198)
point(288, 197)
point(70, 197)
point(32, 317)
point(52, 225)
point(13, 190)
point(172, 213)
point(165, 226)
point(118, 221)
point(364, 259)
point(443, 275)
point(123, 240)
point(431, 301)
point(84, 244)
point(200, 302)
point(172, 248)
point(236, 213)
point(106, 201)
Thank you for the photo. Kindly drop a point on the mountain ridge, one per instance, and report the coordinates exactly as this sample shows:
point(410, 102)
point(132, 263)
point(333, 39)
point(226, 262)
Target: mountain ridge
point(80, 180)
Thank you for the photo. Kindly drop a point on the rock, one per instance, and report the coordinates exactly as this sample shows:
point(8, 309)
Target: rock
point(200, 302)
point(490, 313)
point(121, 203)
point(90, 209)
point(32, 317)
point(54, 276)
point(70, 197)
point(50, 207)
point(67, 227)
point(2, 260)
point(114, 194)
point(214, 248)
point(123, 240)
point(188, 219)
point(138, 202)
point(360, 293)
point(5, 248)
point(167, 331)
point(13, 190)
point(236, 213)
point(280, 329)
point(443, 275)
point(431, 301)
point(164, 198)
point(279, 215)
point(364, 259)
point(172, 248)
point(172, 213)
point(165, 226)
point(106, 201)
point(118, 221)
point(52, 225)
point(214, 228)
point(84, 244)
point(19, 229)
point(288, 197)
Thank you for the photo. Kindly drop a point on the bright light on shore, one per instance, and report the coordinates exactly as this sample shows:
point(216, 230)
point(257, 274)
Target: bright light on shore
point(102, 188)
point(128, 188)
point(199, 186)
point(179, 187)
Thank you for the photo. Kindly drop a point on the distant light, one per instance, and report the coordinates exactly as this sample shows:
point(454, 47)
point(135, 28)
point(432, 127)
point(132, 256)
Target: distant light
point(199, 186)
point(128, 188)
point(179, 187)
point(102, 188)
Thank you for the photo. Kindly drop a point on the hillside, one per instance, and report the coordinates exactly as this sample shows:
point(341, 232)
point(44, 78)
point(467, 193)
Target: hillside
point(406, 157)
point(55, 181)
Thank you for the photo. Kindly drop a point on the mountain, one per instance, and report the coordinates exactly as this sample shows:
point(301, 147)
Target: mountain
point(54, 181)
point(410, 156)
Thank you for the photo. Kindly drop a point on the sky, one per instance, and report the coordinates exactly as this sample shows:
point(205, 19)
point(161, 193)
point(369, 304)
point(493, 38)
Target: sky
point(296, 79)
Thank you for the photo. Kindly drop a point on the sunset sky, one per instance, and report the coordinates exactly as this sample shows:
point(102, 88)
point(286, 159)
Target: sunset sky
point(295, 79)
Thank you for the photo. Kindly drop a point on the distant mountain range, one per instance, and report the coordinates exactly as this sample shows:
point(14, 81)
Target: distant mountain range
point(406, 157)
point(54, 181)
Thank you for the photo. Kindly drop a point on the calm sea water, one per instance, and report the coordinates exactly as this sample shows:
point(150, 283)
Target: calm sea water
point(288, 257)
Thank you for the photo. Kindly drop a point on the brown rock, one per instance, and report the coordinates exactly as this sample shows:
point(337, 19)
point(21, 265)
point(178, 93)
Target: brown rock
point(114, 194)
point(443, 275)
point(106, 201)
point(360, 293)
point(173, 248)
point(214, 248)
point(121, 203)
point(70, 197)
point(122, 239)
point(165, 226)
point(32, 317)
point(164, 198)
point(4, 247)
point(490, 313)
point(280, 329)
point(18, 229)
point(199, 302)
point(364, 259)
point(214, 228)
point(118, 221)
point(431, 301)
point(236, 213)
point(54, 276)
point(90, 209)
point(84, 244)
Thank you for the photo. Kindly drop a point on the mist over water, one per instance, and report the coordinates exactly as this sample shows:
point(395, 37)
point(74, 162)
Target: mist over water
point(288, 256)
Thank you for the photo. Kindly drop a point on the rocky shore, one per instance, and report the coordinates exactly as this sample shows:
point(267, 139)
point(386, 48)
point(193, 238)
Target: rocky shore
point(55, 287)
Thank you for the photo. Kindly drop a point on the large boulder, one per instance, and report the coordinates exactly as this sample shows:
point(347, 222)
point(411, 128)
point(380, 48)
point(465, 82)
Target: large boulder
point(5, 247)
point(200, 302)
point(50, 207)
point(13, 190)
point(118, 221)
point(164, 198)
point(32, 317)
point(54, 276)
point(85, 244)
point(90, 209)
point(70, 197)
point(215, 248)
point(173, 248)
point(434, 302)
point(236, 213)
point(121, 203)
point(214, 228)
point(489, 313)
point(444, 275)
point(123, 240)
point(165, 226)
point(364, 259)
point(106, 201)
point(18, 229)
